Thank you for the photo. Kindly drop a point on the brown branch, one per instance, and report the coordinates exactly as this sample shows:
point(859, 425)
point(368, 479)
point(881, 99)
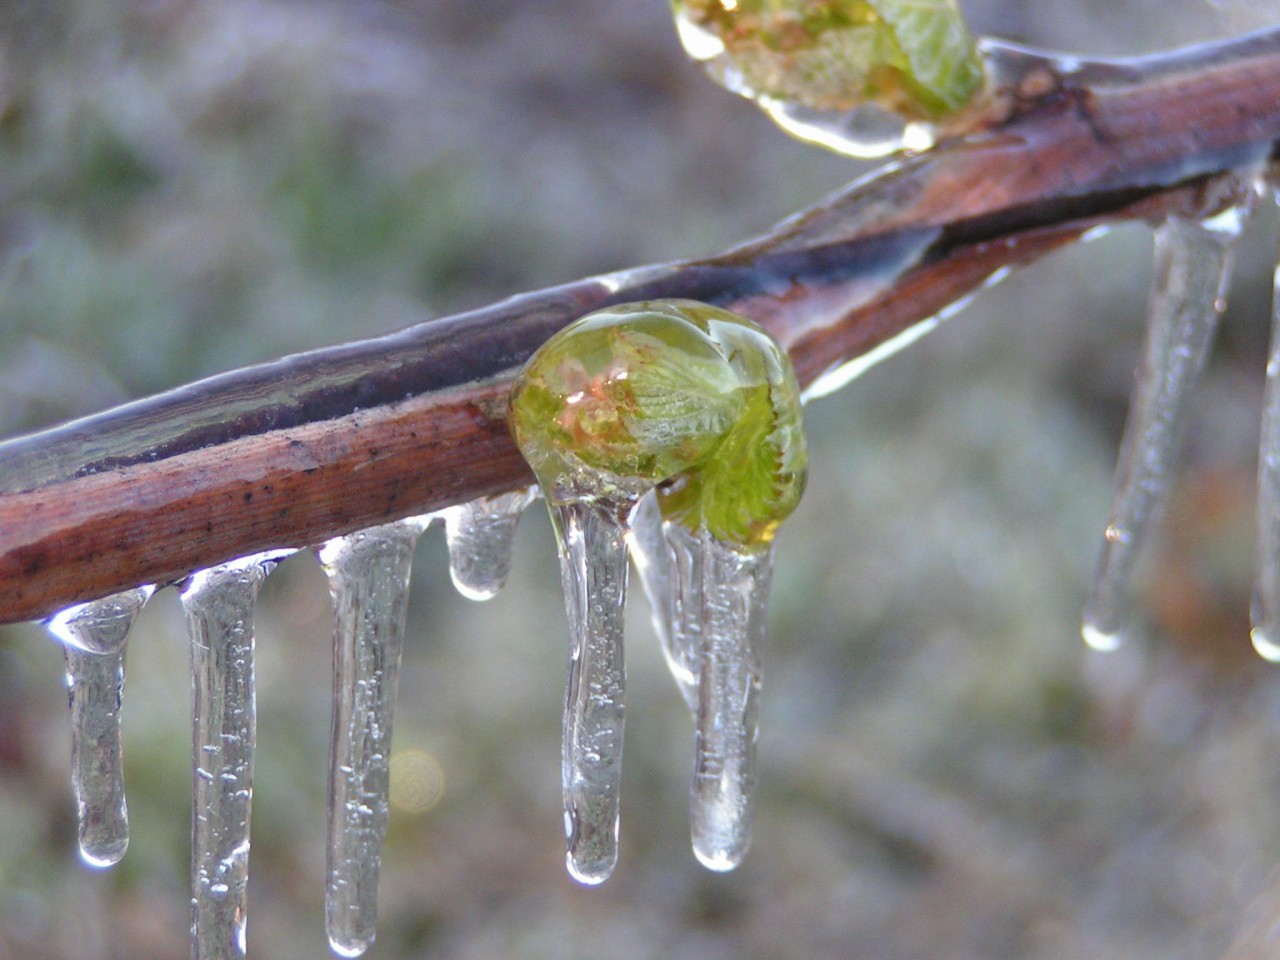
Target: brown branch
point(312, 446)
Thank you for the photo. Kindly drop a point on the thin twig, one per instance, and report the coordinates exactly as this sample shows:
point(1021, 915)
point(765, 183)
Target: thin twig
point(296, 451)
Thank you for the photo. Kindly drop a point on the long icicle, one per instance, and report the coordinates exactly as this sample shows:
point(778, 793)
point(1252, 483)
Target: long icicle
point(709, 600)
point(1192, 270)
point(93, 636)
point(731, 634)
point(593, 568)
point(219, 610)
point(368, 574)
point(1266, 595)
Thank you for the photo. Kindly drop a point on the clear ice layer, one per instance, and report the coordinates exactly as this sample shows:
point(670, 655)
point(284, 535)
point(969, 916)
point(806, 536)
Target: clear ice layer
point(368, 574)
point(218, 604)
point(481, 536)
point(593, 567)
point(1192, 269)
point(93, 636)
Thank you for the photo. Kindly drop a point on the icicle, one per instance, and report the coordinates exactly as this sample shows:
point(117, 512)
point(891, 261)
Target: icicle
point(1192, 268)
point(652, 554)
point(93, 636)
point(1266, 595)
point(721, 600)
point(368, 576)
point(709, 600)
point(593, 570)
point(481, 535)
point(219, 610)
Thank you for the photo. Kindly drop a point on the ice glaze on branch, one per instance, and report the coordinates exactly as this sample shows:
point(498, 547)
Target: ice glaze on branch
point(324, 443)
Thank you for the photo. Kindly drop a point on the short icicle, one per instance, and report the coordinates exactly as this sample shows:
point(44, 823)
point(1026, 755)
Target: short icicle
point(1192, 269)
point(481, 535)
point(368, 574)
point(1266, 595)
point(218, 604)
point(593, 566)
point(93, 636)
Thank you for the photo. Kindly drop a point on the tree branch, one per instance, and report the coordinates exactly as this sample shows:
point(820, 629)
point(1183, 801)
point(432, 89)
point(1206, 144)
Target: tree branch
point(296, 451)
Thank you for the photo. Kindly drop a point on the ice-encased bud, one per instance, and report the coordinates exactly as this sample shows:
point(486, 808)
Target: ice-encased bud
point(699, 407)
point(863, 77)
point(689, 398)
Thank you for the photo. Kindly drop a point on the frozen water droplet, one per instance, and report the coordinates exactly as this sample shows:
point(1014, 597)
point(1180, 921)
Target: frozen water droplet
point(481, 535)
point(218, 604)
point(93, 635)
point(368, 574)
point(1192, 268)
point(1266, 594)
point(593, 567)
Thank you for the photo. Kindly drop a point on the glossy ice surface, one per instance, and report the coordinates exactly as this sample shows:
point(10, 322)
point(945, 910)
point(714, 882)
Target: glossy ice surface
point(675, 394)
point(864, 77)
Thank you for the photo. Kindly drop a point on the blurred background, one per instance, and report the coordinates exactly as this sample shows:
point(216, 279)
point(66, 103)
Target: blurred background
point(947, 772)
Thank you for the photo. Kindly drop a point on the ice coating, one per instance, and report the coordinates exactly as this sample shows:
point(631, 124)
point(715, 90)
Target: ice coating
point(861, 77)
point(673, 428)
point(481, 535)
point(94, 635)
point(218, 604)
point(368, 574)
point(685, 397)
point(1188, 296)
